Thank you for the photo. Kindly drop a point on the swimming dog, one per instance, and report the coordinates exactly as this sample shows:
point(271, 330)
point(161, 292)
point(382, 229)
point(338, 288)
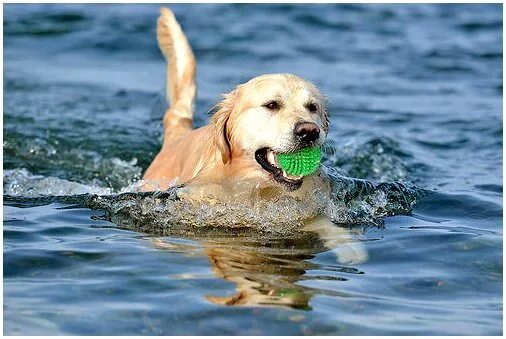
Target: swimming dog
point(236, 151)
point(269, 114)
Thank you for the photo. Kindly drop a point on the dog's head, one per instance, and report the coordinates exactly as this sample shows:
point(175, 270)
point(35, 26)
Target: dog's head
point(270, 114)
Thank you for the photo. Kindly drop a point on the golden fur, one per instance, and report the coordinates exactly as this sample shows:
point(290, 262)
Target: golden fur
point(223, 151)
point(217, 161)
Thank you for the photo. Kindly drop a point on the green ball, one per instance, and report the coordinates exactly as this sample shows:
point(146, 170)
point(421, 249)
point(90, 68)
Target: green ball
point(300, 163)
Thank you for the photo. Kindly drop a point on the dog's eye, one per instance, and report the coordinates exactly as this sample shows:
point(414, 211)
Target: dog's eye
point(312, 107)
point(272, 105)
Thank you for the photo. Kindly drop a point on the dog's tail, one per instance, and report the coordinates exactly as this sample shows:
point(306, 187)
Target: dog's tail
point(180, 86)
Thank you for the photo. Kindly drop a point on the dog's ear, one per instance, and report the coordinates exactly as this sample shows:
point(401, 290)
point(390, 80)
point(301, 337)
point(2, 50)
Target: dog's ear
point(326, 120)
point(220, 124)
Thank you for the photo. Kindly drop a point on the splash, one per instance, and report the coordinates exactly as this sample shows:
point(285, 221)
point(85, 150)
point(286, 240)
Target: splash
point(52, 158)
point(358, 201)
point(352, 201)
point(20, 182)
point(378, 159)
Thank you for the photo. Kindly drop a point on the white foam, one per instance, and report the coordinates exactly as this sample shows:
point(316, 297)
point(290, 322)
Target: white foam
point(20, 182)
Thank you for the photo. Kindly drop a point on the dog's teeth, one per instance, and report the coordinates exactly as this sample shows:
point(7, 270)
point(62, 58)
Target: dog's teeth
point(271, 158)
point(291, 177)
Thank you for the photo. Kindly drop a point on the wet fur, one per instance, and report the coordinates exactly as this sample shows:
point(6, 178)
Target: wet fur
point(216, 162)
point(217, 152)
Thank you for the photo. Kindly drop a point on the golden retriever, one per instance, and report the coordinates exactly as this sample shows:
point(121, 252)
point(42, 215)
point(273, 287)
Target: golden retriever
point(273, 113)
point(235, 152)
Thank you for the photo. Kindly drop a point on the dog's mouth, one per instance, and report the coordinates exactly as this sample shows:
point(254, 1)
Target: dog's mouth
point(266, 157)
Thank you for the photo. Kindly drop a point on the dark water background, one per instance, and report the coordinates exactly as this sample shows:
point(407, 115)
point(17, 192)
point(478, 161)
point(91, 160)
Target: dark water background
point(415, 95)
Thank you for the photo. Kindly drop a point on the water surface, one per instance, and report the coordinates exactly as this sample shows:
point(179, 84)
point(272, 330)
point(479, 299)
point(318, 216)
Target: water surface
point(415, 96)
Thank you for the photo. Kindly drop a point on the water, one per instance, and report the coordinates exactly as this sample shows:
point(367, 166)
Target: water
point(415, 96)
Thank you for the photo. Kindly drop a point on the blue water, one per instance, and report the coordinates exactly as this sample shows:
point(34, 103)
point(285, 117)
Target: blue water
point(415, 96)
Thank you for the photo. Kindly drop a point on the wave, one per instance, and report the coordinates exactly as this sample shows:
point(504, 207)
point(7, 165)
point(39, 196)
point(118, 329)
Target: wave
point(354, 201)
point(366, 179)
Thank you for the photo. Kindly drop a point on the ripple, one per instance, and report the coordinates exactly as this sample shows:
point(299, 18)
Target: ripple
point(417, 89)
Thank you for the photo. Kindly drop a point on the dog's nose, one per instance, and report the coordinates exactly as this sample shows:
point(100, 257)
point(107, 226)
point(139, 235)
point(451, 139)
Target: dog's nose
point(307, 132)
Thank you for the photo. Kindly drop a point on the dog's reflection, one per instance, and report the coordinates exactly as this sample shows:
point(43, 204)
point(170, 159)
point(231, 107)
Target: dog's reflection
point(261, 278)
point(266, 271)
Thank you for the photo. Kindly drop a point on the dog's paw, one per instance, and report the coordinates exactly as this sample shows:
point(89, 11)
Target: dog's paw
point(350, 253)
point(339, 240)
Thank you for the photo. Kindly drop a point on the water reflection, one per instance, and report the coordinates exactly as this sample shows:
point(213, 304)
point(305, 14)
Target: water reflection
point(268, 271)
